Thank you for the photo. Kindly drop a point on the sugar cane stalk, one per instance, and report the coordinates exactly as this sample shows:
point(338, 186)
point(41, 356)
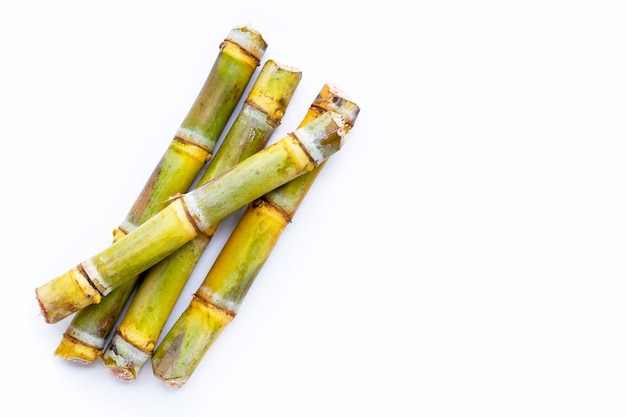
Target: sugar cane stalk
point(136, 335)
point(189, 215)
point(240, 53)
point(219, 296)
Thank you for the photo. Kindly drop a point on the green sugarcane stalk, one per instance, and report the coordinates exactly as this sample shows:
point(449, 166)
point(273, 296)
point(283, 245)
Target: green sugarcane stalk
point(189, 215)
point(192, 146)
point(136, 335)
point(215, 303)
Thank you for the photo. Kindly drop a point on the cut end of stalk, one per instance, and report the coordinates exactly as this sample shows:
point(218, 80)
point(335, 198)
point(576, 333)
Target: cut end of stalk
point(248, 40)
point(331, 98)
point(122, 374)
point(65, 295)
point(123, 359)
point(273, 89)
point(76, 351)
point(176, 382)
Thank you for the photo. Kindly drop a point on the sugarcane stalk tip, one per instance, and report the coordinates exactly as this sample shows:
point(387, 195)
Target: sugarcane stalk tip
point(42, 307)
point(124, 359)
point(249, 40)
point(65, 295)
point(273, 89)
point(175, 382)
point(332, 98)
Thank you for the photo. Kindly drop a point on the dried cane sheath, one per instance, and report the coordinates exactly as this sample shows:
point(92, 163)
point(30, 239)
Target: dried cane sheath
point(190, 215)
point(240, 53)
point(217, 300)
point(160, 287)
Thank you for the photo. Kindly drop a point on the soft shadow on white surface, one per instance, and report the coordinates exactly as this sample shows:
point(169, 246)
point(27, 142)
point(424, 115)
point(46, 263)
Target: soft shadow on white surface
point(462, 255)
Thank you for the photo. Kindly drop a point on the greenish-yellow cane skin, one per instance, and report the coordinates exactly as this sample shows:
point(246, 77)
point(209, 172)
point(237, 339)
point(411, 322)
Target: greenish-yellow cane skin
point(189, 215)
point(208, 116)
point(161, 286)
point(187, 342)
point(178, 168)
point(151, 306)
point(228, 281)
point(239, 263)
point(247, 181)
point(218, 99)
point(243, 256)
point(93, 324)
point(148, 244)
point(154, 289)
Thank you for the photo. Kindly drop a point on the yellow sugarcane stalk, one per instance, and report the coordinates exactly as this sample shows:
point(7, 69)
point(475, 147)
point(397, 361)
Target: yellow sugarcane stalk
point(189, 215)
point(137, 334)
point(250, 244)
point(240, 53)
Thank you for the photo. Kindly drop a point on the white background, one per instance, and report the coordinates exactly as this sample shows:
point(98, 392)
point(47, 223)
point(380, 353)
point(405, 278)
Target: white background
point(463, 254)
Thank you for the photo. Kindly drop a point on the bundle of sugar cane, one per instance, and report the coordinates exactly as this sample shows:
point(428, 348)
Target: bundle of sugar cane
point(217, 300)
point(156, 296)
point(239, 56)
point(137, 334)
point(191, 214)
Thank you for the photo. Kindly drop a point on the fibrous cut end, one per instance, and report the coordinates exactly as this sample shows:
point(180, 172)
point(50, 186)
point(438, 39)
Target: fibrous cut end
point(245, 42)
point(123, 359)
point(176, 382)
point(123, 374)
point(65, 295)
point(331, 98)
